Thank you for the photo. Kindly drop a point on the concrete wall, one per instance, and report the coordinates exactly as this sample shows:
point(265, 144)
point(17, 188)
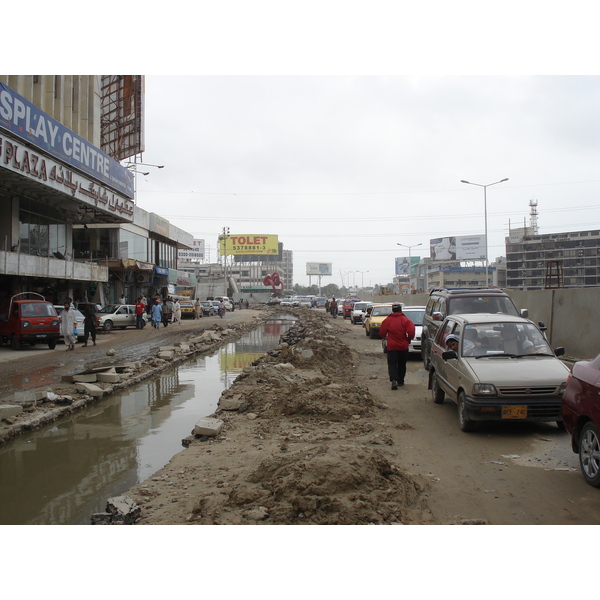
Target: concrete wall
point(572, 316)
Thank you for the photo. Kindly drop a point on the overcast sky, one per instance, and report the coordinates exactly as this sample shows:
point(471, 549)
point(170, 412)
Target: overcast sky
point(343, 168)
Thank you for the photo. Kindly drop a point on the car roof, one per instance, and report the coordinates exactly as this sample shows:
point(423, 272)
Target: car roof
point(473, 291)
point(405, 308)
point(487, 318)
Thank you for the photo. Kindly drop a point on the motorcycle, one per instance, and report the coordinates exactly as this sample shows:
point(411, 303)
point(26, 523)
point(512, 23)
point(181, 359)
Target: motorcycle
point(221, 311)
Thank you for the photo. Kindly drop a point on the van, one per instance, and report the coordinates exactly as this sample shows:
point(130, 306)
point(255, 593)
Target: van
point(451, 301)
point(29, 320)
point(226, 301)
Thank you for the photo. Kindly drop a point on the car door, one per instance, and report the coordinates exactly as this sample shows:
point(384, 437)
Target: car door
point(445, 369)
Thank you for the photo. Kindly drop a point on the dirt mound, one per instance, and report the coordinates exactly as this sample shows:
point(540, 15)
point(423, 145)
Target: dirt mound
point(303, 446)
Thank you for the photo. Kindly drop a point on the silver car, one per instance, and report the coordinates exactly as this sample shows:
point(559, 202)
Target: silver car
point(502, 370)
point(415, 314)
point(117, 315)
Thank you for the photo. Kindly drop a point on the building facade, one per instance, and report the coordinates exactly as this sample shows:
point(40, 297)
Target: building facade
point(535, 262)
point(68, 218)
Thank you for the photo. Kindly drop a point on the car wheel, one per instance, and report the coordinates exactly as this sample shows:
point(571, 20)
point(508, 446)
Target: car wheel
point(464, 423)
point(108, 325)
point(425, 356)
point(437, 392)
point(14, 342)
point(589, 454)
point(52, 344)
point(373, 334)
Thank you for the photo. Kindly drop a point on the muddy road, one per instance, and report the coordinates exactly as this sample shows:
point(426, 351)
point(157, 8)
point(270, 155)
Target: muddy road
point(320, 438)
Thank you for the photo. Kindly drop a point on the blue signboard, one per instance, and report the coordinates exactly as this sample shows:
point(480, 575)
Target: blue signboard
point(33, 125)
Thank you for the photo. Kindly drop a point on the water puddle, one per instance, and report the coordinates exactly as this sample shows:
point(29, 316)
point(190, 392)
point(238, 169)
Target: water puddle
point(63, 473)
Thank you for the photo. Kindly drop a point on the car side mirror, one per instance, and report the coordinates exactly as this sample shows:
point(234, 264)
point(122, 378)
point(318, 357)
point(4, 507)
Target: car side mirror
point(560, 351)
point(437, 316)
point(542, 326)
point(449, 354)
point(524, 313)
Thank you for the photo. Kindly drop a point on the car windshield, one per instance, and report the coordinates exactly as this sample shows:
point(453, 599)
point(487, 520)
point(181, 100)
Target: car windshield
point(361, 305)
point(110, 308)
point(482, 304)
point(381, 311)
point(37, 309)
point(416, 316)
point(489, 339)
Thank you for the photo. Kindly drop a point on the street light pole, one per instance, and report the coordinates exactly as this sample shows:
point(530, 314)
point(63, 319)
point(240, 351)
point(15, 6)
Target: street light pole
point(487, 262)
point(362, 284)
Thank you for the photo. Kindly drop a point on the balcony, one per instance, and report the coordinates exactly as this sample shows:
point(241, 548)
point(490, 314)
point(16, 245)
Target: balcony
point(26, 265)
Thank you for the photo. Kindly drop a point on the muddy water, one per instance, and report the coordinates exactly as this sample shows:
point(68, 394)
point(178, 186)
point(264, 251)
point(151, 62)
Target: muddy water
point(65, 472)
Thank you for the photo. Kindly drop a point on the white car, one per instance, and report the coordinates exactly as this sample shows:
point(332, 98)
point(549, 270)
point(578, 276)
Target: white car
point(415, 314)
point(502, 370)
point(286, 302)
point(358, 312)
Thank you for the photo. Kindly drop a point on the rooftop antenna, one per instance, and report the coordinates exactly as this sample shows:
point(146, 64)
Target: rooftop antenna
point(533, 216)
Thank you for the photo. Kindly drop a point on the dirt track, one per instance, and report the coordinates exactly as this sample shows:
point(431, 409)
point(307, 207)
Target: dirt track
point(321, 439)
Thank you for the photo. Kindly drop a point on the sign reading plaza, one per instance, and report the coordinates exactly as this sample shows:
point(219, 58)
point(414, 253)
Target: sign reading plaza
point(236, 245)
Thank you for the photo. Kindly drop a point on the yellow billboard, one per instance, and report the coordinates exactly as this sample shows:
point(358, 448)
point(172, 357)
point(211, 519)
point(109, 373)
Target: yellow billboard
point(267, 245)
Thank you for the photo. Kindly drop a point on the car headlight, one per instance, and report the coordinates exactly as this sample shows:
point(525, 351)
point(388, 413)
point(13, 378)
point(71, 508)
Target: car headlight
point(25, 324)
point(562, 388)
point(484, 389)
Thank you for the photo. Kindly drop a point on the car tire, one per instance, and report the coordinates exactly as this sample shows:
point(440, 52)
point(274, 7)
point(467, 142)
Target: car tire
point(14, 342)
point(108, 325)
point(465, 424)
point(425, 355)
point(589, 454)
point(437, 393)
point(52, 344)
point(373, 334)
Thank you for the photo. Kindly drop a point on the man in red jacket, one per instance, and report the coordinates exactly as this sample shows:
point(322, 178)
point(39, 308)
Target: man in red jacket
point(399, 330)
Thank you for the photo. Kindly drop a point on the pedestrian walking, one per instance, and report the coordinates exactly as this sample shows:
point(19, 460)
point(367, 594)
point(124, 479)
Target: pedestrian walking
point(68, 325)
point(397, 329)
point(140, 309)
point(247, 304)
point(197, 308)
point(156, 314)
point(176, 312)
point(89, 324)
point(167, 312)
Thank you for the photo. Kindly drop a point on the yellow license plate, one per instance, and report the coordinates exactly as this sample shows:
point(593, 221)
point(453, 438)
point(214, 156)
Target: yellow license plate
point(514, 412)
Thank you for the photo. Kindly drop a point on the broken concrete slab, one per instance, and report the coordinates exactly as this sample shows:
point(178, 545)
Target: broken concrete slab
point(10, 410)
point(90, 388)
point(208, 426)
point(109, 377)
point(85, 378)
point(166, 355)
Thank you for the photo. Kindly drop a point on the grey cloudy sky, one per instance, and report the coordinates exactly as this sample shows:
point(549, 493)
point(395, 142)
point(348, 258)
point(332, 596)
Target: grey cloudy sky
point(343, 168)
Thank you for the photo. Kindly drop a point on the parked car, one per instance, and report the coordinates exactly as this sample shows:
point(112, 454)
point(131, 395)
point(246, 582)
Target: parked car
point(305, 301)
point(29, 319)
point(80, 319)
point(358, 312)
point(287, 302)
point(415, 314)
point(346, 307)
point(215, 305)
point(187, 310)
point(117, 315)
point(207, 308)
point(502, 370)
point(374, 320)
point(443, 302)
point(320, 301)
point(581, 416)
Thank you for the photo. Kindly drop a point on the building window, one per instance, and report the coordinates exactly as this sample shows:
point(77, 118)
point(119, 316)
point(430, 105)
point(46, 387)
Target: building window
point(40, 231)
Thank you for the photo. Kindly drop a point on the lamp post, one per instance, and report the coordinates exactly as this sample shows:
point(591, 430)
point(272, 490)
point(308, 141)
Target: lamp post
point(409, 256)
point(485, 218)
point(145, 164)
point(362, 284)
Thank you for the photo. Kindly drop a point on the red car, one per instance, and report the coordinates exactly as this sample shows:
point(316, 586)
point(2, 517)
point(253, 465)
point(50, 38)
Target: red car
point(581, 415)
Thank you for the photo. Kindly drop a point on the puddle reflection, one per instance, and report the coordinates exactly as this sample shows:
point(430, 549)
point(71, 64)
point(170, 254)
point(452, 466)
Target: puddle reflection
point(63, 473)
